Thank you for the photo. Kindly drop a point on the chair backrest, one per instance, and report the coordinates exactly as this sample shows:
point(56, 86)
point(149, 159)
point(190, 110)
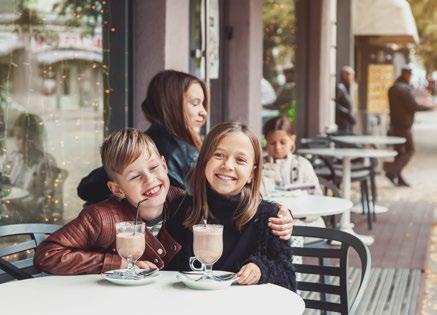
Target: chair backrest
point(329, 186)
point(327, 266)
point(323, 166)
point(17, 244)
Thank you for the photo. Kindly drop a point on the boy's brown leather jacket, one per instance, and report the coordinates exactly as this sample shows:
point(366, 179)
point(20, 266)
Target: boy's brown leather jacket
point(87, 244)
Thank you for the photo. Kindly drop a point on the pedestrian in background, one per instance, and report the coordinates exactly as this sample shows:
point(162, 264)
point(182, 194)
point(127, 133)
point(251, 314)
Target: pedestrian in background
point(403, 106)
point(343, 101)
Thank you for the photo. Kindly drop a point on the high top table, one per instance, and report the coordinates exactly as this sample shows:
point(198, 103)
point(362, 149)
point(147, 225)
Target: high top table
point(346, 154)
point(311, 205)
point(90, 294)
point(370, 140)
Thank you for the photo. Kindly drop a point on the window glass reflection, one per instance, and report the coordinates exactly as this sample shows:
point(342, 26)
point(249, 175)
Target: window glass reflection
point(51, 106)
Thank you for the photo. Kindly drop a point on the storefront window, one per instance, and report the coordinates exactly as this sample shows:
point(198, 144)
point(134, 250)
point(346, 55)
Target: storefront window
point(278, 83)
point(51, 106)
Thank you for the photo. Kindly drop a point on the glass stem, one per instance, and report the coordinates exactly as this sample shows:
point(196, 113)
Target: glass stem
point(130, 266)
point(208, 271)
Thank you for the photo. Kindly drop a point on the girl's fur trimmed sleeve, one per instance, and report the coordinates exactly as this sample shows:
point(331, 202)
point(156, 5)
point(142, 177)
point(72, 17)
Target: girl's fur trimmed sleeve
point(274, 257)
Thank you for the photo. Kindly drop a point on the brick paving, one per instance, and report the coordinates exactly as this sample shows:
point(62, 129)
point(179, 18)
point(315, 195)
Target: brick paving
point(401, 235)
point(406, 236)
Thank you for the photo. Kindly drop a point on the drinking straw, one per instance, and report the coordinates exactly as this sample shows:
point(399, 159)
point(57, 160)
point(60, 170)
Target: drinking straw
point(138, 210)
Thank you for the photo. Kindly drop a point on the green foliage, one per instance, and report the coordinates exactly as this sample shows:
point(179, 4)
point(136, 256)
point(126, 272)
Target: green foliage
point(279, 34)
point(29, 20)
point(291, 113)
point(425, 14)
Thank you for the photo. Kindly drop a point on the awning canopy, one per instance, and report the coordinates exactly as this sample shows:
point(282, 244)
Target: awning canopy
point(391, 19)
point(53, 56)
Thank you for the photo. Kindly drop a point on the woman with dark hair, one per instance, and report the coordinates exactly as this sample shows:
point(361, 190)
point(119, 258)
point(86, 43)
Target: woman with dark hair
point(176, 105)
point(176, 132)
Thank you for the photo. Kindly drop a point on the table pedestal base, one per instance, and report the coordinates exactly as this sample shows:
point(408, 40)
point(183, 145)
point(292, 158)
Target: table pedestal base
point(357, 208)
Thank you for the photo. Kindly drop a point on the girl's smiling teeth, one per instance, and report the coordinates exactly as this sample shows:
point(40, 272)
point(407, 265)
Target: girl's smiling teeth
point(152, 192)
point(225, 177)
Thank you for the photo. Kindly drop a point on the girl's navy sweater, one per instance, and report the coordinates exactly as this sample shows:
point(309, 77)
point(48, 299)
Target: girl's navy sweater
point(254, 243)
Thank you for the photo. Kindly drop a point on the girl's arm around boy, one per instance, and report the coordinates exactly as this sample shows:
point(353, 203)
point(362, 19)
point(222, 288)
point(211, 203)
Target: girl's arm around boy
point(272, 255)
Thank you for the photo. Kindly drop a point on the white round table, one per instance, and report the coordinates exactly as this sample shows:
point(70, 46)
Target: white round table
point(312, 205)
point(90, 294)
point(368, 140)
point(346, 154)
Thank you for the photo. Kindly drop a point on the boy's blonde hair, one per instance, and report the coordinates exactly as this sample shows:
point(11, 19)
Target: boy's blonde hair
point(123, 147)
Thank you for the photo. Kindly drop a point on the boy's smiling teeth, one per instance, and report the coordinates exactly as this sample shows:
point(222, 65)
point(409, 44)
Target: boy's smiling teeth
point(152, 191)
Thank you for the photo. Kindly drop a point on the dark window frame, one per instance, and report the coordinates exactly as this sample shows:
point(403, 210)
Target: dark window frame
point(117, 56)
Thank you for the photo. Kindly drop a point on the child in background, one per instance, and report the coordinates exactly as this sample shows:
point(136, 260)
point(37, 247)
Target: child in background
point(88, 243)
point(226, 190)
point(281, 143)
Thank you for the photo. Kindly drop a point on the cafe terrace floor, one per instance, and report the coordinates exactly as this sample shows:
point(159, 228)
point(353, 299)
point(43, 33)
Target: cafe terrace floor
point(406, 236)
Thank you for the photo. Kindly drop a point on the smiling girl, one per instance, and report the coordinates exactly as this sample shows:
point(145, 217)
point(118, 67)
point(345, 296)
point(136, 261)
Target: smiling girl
point(226, 190)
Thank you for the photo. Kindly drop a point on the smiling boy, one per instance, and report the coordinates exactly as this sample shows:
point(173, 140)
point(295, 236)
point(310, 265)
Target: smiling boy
point(87, 244)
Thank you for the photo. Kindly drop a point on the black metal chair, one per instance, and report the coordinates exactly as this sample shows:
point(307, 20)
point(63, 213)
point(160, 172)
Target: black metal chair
point(329, 188)
point(328, 267)
point(16, 259)
point(323, 166)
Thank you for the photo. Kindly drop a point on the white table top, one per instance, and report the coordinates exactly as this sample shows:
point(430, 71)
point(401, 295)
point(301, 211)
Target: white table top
point(356, 139)
point(312, 205)
point(16, 193)
point(90, 294)
point(349, 152)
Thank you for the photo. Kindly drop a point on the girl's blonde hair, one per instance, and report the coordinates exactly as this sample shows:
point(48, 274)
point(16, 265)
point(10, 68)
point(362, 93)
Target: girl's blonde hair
point(250, 194)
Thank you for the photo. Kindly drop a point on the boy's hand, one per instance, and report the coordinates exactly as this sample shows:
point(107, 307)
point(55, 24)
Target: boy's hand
point(144, 264)
point(249, 274)
point(282, 225)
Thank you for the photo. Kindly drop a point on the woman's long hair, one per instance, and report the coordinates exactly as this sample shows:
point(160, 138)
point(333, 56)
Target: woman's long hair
point(164, 103)
point(250, 194)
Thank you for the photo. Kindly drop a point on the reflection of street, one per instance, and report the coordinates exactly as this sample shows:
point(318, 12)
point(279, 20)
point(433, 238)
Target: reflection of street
point(73, 138)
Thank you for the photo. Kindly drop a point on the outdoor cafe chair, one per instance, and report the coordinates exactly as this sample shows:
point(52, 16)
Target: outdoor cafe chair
point(16, 259)
point(322, 280)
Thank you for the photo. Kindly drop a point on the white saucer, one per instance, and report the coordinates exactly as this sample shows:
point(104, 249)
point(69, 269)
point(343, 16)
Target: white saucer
point(190, 281)
point(140, 281)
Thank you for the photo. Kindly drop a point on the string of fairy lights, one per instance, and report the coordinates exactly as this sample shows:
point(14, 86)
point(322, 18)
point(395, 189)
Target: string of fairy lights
point(67, 93)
